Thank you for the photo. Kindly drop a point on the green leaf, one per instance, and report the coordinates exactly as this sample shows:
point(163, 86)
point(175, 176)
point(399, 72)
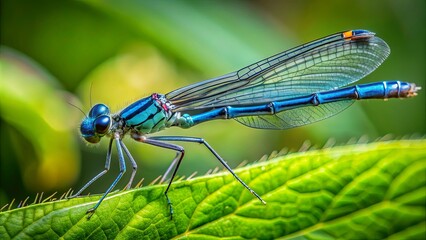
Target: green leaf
point(364, 191)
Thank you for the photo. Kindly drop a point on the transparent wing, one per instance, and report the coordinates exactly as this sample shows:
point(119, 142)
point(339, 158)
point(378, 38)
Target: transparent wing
point(327, 63)
point(295, 117)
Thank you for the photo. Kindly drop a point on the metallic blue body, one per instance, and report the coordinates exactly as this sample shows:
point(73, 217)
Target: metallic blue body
point(379, 90)
point(147, 115)
point(292, 88)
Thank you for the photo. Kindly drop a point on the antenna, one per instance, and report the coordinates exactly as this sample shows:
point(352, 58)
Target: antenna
point(78, 109)
point(90, 96)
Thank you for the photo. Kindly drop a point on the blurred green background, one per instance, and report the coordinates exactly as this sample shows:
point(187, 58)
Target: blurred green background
point(58, 52)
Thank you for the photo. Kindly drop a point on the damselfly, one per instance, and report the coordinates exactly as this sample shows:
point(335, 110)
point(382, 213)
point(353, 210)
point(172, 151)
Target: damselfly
point(293, 88)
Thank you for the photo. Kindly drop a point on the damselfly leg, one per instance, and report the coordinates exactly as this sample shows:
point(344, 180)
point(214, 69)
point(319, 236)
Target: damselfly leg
point(159, 141)
point(107, 165)
point(122, 165)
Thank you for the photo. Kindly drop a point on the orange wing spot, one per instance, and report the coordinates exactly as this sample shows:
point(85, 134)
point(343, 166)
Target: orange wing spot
point(347, 34)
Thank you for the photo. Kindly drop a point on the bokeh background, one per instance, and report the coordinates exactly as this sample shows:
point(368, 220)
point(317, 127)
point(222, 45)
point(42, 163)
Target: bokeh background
point(54, 53)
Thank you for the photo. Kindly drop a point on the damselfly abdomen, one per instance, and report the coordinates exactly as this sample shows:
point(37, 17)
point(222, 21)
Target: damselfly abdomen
point(293, 88)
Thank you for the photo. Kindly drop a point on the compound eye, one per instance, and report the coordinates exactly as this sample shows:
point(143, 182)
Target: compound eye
point(98, 110)
point(102, 124)
point(93, 139)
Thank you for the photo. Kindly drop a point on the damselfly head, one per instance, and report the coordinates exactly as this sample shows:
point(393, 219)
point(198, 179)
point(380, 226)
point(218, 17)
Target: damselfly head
point(96, 124)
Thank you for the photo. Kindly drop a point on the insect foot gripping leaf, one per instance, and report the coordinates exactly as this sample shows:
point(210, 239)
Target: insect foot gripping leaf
point(368, 191)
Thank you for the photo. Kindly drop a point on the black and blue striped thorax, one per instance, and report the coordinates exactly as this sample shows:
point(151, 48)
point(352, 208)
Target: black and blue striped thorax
point(148, 115)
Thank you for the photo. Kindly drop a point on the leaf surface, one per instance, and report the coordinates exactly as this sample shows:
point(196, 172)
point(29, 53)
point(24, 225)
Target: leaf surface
point(364, 191)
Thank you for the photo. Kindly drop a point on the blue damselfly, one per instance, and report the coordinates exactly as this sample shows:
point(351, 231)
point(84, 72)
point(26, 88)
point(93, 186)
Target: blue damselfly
point(293, 88)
